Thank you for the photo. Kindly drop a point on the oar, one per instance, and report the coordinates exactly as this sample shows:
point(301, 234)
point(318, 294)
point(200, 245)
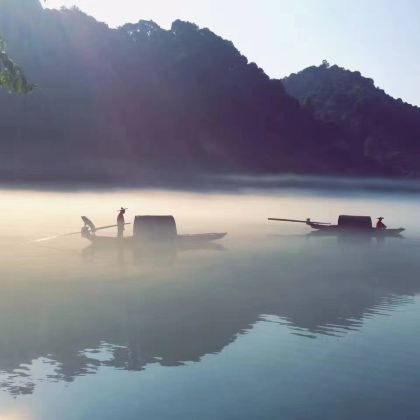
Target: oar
point(297, 221)
point(108, 227)
point(49, 238)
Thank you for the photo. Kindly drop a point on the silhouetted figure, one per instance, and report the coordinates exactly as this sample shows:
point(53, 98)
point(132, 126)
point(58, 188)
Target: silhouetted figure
point(121, 223)
point(380, 225)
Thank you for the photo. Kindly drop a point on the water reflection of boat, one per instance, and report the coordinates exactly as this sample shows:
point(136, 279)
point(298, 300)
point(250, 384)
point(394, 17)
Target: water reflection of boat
point(151, 252)
point(347, 225)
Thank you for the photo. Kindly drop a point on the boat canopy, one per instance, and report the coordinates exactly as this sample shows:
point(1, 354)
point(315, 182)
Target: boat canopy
point(355, 222)
point(155, 228)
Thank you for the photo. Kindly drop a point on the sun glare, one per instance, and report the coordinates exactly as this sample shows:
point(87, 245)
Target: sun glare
point(16, 415)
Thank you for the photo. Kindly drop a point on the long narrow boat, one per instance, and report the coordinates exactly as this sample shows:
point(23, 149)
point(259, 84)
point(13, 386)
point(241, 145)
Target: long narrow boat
point(354, 225)
point(149, 230)
point(130, 240)
point(337, 230)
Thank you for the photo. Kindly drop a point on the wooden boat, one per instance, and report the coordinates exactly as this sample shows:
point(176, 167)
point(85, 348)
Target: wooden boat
point(354, 225)
point(336, 230)
point(130, 240)
point(157, 230)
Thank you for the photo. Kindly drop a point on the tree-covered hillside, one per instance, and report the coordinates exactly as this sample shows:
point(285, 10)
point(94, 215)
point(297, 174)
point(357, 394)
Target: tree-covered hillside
point(116, 103)
point(111, 101)
point(373, 125)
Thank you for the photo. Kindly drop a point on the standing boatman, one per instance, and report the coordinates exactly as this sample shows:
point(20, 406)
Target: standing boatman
point(380, 225)
point(121, 223)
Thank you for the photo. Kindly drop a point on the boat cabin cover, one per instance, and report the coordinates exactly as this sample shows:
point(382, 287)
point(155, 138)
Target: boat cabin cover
point(155, 228)
point(355, 222)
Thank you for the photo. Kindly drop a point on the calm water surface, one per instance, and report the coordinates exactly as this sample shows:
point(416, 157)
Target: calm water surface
point(271, 323)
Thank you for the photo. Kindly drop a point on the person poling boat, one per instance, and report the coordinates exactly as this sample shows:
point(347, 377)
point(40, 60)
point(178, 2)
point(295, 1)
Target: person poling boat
point(121, 223)
point(349, 224)
point(89, 229)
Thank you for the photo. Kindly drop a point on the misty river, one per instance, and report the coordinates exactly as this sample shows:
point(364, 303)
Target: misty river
point(268, 323)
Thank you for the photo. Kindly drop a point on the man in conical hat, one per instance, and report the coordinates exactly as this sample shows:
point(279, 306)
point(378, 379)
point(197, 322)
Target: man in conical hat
point(380, 225)
point(121, 223)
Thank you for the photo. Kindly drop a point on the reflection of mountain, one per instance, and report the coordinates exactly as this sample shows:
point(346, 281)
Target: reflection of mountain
point(201, 308)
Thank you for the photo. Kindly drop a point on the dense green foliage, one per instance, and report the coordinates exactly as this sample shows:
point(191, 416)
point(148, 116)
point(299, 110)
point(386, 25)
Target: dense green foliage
point(373, 125)
point(12, 77)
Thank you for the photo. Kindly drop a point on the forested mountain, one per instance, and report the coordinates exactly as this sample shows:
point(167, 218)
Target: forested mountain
point(116, 103)
point(373, 125)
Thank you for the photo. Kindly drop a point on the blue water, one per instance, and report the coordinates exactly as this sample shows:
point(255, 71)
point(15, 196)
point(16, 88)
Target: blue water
point(271, 324)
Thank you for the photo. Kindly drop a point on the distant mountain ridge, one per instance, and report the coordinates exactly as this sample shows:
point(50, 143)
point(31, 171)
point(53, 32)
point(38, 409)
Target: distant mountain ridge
point(112, 104)
point(373, 125)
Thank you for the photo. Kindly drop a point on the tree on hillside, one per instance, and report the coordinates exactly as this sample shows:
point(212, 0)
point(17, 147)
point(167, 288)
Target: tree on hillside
point(12, 77)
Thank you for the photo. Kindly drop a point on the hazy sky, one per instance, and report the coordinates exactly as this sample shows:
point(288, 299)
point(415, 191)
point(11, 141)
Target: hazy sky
point(381, 38)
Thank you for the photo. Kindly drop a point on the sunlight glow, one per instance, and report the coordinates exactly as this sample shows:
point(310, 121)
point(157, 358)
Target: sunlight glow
point(16, 415)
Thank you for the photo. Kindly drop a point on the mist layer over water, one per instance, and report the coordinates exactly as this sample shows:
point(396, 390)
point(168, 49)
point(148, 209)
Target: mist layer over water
point(270, 322)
